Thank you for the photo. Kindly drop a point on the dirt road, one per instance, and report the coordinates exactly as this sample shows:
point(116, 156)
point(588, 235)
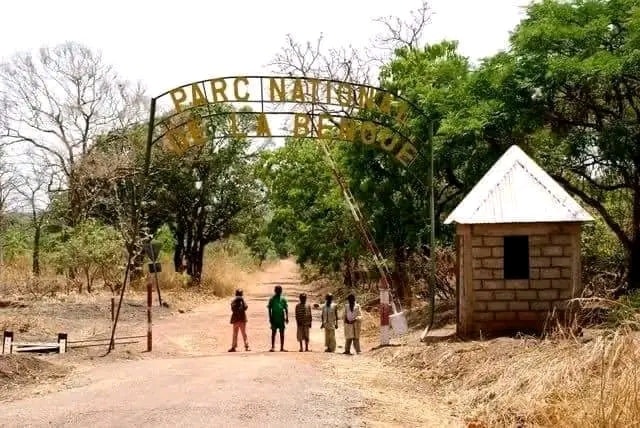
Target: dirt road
point(190, 379)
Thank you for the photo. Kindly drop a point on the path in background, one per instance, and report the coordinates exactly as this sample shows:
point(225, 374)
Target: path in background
point(190, 379)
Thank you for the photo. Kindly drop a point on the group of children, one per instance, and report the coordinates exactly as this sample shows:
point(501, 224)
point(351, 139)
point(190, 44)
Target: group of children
point(279, 316)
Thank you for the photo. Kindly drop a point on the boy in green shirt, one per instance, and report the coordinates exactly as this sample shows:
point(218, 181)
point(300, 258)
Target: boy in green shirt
point(278, 317)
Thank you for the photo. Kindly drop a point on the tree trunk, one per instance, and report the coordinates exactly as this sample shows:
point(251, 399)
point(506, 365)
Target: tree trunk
point(634, 252)
point(400, 276)
point(348, 271)
point(36, 252)
point(178, 254)
point(195, 256)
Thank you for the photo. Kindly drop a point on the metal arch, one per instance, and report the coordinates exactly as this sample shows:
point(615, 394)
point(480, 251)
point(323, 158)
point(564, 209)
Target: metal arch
point(150, 142)
point(319, 79)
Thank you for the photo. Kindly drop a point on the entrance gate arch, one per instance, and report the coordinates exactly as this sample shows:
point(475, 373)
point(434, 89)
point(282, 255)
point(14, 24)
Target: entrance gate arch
point(186, 117)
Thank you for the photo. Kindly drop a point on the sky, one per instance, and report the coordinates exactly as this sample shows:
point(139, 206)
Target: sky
point(166, 44)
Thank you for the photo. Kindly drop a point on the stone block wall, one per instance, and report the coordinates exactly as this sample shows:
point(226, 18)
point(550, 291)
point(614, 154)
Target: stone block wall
point(494, 304)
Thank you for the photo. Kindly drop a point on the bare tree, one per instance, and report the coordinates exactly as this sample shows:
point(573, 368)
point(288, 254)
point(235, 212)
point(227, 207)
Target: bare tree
point(60, 101)
point(314, 59)
point(33, 189)
point(406, 32)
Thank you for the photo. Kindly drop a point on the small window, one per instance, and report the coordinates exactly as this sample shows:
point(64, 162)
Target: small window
point(516, 257)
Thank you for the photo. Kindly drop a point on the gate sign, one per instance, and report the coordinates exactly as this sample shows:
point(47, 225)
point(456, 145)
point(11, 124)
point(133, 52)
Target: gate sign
point(250, 106)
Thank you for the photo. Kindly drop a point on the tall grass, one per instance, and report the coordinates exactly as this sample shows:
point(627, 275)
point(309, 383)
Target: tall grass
point(532, 382)
point(226, 266)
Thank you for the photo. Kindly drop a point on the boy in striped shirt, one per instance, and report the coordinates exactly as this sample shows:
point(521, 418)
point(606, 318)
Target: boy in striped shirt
point(303, 321)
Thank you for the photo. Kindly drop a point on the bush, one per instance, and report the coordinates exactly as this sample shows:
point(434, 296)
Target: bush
point(93, 249)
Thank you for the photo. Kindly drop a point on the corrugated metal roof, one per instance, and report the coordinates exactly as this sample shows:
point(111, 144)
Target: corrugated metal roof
point(517, 190)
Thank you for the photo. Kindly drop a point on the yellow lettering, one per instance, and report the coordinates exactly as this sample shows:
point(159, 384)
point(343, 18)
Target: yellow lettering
point(345, 95)
point(262, 126)
point(297, 93)
point(276, 93)
point(385, 105)
point(366, 97)
point(368, 132)
point(236, 88)
point(324, 129)
point(387, 140)
point(347, 129)
point(301, 125)
point(218, 87)
point(313, 92)
point(407, 154)
point(178, 96)
point(197, 96)
point(235, 130)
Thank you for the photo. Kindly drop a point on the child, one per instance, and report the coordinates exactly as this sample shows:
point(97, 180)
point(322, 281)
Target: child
point(239, 320)
point(329, 323)
point(303, 322)
point(278, 317)
point(352, 321)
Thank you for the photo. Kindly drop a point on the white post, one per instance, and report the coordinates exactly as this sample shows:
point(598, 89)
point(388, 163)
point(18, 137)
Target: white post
point(7, 342)
point(62, 343)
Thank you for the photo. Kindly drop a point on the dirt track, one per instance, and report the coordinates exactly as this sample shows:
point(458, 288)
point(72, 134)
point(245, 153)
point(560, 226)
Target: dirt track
point(190, 379)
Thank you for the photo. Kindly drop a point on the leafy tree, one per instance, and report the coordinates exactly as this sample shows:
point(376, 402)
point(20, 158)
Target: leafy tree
point(568, 89)
point(93, 249)
point(205, 193)
point(308, 212)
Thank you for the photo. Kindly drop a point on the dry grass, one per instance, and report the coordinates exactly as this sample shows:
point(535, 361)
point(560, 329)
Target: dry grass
point(531, 382)
point(221, 275)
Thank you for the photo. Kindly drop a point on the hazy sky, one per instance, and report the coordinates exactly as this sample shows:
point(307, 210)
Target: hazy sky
point(165, 44)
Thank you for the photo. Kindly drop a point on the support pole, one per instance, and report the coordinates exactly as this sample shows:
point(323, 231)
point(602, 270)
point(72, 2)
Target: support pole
point(385, 309)
point(113, 307)
point(155, 272)
point(149, 303)
point(432, 237)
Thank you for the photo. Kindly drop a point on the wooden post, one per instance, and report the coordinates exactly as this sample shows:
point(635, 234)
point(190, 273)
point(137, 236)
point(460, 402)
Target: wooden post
point(7, 341)
point(62, 343)
point(149, 299)
point(385, 309)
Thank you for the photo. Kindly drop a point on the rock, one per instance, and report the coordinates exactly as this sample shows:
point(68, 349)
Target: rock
point(181, 311)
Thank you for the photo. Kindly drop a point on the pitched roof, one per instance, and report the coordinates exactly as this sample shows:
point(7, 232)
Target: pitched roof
point(517, 190)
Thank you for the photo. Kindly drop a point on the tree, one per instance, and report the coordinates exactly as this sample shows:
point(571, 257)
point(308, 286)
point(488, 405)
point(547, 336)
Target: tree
point(8, 183)
point(568, 89)
point(32, 188)
point(93, 249)
point(308, 213)
point(60, 101)
point(207, 192)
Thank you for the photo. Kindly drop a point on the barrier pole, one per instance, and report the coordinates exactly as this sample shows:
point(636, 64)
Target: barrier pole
point(149, 299)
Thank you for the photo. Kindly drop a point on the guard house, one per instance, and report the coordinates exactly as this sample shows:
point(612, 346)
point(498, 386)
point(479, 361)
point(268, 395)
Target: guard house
point(518, 249)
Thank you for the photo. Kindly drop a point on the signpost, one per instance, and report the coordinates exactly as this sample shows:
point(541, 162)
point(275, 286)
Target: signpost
point(152, 248)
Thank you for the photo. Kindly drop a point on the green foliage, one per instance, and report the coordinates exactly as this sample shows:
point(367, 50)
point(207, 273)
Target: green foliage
point(308, 212)
point(626, 312)
point(165, 237)
point(93, 249)
point(16, 240)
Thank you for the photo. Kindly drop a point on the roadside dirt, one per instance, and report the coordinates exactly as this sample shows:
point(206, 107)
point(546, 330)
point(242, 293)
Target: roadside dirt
point(190, 379)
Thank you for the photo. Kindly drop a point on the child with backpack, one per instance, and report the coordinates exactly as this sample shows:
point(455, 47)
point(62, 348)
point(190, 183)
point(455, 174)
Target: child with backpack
point(239, 320)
